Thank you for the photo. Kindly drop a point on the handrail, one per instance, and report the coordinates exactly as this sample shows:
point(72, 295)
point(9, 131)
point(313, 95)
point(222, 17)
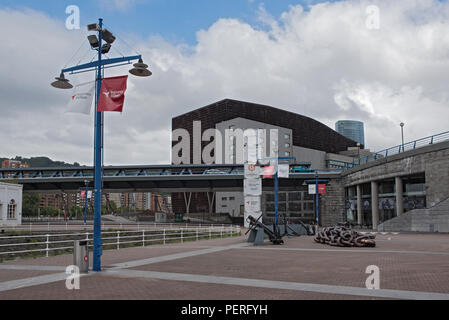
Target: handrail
point(412, 145)
point(114, 238)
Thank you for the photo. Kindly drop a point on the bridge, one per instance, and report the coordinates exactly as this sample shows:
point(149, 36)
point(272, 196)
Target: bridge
point(153, 178)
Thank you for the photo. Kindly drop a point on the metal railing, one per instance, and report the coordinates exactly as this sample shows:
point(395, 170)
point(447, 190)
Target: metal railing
point(61, 225)
point(46, 243)
point(416, 144)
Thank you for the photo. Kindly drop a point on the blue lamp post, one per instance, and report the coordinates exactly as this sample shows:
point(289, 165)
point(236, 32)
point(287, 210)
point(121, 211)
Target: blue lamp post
point(140, 69)
point(86, 182)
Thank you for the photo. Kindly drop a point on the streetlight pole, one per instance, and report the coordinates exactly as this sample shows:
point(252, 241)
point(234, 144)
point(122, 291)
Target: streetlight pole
point(140, 69)
point(402, 133)
point(317, 206)
point(86, 182)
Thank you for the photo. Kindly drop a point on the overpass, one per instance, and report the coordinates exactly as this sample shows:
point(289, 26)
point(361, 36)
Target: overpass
point(356, 193)
point(156, 178)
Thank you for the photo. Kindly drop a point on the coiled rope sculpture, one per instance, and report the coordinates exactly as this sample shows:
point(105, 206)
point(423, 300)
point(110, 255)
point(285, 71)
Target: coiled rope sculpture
point(342, 237)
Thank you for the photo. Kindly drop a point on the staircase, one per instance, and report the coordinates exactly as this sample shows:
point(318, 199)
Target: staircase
point(433, 219)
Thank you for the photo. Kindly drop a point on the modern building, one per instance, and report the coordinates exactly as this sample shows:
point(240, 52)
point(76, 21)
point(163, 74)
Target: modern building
point(351, 129)
point(10, 204)
point(14, 164)
point(303, 138)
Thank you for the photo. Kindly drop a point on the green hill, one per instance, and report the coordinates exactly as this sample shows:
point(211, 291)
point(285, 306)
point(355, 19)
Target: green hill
point(43, 162)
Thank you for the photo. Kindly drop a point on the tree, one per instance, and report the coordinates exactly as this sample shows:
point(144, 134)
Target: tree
point(30, 204)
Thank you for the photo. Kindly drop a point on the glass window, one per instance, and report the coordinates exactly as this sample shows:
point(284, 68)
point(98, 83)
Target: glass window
point(286, 136)
point(12, 210)
point(294, 206)
point(287, 145)
point(309, 206)
point(294, 196)
point(232, 198)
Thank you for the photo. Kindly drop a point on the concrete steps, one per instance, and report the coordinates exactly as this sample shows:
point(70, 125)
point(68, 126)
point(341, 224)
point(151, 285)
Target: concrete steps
point(434, 219)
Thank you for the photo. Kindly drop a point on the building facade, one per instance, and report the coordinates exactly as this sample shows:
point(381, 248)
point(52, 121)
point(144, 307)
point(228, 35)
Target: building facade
point(354, 130)
point(14, 164)
point(298, 136)
point(10, 204)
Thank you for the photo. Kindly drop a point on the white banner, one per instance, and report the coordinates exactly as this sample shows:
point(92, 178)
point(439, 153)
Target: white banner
point(81, 99)
point(283, 170)
point(253, 187)
point(312, 189)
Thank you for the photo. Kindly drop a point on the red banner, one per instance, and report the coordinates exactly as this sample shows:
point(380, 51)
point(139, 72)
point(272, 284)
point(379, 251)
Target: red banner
point(112, 94)
point(268, 172)
point(321, 189)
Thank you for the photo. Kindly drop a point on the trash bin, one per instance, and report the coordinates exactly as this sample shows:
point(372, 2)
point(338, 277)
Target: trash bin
point(81, 255)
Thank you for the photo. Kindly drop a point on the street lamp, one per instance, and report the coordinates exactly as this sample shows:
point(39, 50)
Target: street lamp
point(62, 83)
point(402, 133)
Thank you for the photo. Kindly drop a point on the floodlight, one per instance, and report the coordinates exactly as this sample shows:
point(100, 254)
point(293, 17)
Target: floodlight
point(105, 48)
point(108, 36)
point(93, 40)
point(93, 27)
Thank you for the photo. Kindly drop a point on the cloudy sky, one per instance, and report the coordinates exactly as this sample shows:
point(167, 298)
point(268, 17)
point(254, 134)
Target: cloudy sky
point(325, 60)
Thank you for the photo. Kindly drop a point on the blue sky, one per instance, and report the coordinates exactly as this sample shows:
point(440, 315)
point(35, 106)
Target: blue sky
point(177, 21)
point(324, 61)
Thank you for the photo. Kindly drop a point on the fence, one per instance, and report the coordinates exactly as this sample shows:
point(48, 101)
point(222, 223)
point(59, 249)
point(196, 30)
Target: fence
point(62, 225)
point(441, 137)
point(46, 243)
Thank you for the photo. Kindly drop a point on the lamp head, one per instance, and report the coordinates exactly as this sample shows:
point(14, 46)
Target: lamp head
point(140, 69)
point(62, 83)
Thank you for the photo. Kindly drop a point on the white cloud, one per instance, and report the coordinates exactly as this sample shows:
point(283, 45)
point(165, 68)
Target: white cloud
point(323, 63)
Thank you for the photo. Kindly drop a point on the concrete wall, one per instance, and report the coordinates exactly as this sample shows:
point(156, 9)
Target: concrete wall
point(315, 157)
point(7, 193)
point(433, 161)
point(229, 206)
point(285, 144)
point(332, 204)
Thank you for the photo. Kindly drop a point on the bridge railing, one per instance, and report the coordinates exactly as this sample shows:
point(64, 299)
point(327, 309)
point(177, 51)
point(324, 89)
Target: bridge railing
point(44, 244)
point(416, 144)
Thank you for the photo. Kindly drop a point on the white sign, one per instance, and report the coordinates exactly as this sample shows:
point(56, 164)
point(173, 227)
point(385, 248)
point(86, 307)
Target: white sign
point(253, 187)
point(89, 194)
point(251, 171)
point(252, 204)
point(312, 189)
point(283, 170)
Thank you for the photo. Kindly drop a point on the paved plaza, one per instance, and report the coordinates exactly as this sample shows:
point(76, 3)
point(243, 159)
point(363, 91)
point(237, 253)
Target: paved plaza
point(412, 266)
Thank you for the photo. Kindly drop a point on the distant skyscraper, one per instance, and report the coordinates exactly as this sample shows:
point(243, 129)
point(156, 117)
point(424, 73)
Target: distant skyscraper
point(351, 129)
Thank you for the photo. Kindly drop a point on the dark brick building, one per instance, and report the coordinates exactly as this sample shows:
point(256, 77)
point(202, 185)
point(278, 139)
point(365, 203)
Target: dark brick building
point(306, 133)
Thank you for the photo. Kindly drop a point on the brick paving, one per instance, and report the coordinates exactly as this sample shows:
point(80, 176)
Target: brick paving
point(407, 262)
